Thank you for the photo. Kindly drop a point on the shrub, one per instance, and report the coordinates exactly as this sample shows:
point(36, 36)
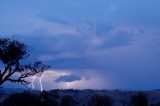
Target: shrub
point(101, 100)
point(68, 100)
point(140, 99)
point(21, 99)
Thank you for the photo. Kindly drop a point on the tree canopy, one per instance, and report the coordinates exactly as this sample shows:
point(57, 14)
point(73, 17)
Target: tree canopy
point(12, 56)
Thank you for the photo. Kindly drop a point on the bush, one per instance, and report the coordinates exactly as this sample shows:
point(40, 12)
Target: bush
point(101, 100)
point(21, 99)
point(28, 99)
point(140, 99)
point(68, 100)
point(47, 99)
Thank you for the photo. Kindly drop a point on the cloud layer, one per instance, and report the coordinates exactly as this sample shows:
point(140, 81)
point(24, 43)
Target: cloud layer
point(117, 40)
point(68, 78)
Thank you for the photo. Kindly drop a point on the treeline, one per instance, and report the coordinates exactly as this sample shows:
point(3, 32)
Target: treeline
point(54, 98)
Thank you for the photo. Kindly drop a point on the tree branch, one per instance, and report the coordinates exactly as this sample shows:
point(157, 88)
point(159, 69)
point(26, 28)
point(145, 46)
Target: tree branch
point(6, 69)
point(19, 80)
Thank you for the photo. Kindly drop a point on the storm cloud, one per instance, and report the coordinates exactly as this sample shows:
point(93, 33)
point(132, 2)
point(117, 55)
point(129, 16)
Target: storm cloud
point(68, 78)
point(117, 40)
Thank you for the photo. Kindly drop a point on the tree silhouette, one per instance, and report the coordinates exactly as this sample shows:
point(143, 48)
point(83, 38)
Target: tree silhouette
point(48, 100)
point(140, 99)
point(68, 100)
point(22, 99)
point(12, 56)
point(101, 100)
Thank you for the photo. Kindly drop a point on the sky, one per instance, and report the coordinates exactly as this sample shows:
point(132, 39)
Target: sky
point(90, 44)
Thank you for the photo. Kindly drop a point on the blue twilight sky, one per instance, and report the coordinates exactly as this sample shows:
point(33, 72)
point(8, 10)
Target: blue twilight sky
point(99, 44)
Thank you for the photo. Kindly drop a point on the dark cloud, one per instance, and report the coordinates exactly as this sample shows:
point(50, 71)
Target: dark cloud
point(68, 78)
point(56, 19)
point(101, 41)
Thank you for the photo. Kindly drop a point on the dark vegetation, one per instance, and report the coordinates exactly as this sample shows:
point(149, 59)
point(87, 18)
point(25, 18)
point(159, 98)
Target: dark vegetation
point(76, 98)
point(140, 99)
point(101, 100)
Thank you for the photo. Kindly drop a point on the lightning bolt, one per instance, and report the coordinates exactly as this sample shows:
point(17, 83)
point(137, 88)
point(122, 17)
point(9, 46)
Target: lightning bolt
point(40, 81)
point(32, 84)
point(41, 77)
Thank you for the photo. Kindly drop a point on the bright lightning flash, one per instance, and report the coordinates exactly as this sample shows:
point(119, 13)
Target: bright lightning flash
point(40, 81)
point(40, 78)
point(32, 84)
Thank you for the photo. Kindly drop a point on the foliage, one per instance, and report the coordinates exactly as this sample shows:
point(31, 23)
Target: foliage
point(140, 99)
point(12, 55)
point(21, 99)
point(101, 100)
point(68, 100)
point(30, 99)
point(48, 100)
